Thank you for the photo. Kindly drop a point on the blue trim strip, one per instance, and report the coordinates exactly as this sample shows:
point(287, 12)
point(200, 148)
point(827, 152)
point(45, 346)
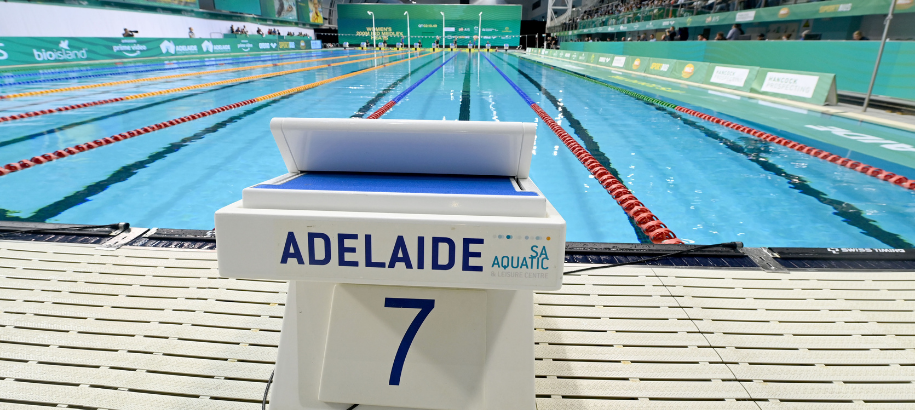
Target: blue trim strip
point(527, 99)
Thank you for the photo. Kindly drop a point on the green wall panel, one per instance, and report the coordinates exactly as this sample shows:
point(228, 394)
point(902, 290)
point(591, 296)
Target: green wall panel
point(239, 6)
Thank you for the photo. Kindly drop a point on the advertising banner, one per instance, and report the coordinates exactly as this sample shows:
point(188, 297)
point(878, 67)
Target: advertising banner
point(691, 71)
point(604, 59)
point(638, 64)
point(501, 23)
point(47, 50)
point(796, 85)
point(661, 66)
point(731, 76)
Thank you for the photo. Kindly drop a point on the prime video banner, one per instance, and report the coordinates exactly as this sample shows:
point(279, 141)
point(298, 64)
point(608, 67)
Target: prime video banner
point(501, 24)
point(44, 50)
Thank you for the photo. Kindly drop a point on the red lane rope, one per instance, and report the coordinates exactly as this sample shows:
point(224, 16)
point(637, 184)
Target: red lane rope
point(650, 224)
point(824, 155)
point(381, 111)
point(59, 109)
point(76, 149)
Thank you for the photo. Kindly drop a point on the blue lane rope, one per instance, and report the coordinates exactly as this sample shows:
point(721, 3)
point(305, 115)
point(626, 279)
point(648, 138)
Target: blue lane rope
point(387, 106)
point(523, 95)
point(414, 85)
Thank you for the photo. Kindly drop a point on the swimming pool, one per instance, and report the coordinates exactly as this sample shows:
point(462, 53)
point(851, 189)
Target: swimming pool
point(708, 183)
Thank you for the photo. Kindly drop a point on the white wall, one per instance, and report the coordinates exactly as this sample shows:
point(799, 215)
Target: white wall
point(42, 20)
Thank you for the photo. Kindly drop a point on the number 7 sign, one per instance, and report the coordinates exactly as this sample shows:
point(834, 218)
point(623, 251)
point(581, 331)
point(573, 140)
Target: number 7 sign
point(404, 346)
point(425, 306)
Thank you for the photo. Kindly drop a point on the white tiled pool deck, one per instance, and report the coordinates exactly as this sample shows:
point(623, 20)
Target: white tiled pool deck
point(146, 328)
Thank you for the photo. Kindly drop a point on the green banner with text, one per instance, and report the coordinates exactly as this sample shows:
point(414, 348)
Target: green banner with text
point(45, 50)
point(500, 24)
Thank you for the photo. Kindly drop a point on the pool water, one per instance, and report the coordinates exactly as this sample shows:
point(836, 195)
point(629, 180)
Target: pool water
point(708, 183)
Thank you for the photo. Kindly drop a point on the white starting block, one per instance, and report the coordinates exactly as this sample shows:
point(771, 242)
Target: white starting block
point(412, 250)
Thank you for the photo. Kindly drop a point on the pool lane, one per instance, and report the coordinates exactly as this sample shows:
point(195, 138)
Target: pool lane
point(250, 77)
point(147, 180)
point(33, 103)
point(708, 182)
point(111, 121)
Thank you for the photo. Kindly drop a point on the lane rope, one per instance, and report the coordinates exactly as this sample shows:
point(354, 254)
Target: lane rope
point(384, 108)
point(865, 169)
point(650, 224)
point(166, 77)
point(127, 69)
point(76, 149)
point(185, 88)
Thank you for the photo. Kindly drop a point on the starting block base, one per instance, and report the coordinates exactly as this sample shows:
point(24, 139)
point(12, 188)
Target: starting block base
point(474, 349)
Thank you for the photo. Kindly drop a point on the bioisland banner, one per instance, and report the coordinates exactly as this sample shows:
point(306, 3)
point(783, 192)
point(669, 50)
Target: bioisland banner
point(501, 24)
point(44, 50)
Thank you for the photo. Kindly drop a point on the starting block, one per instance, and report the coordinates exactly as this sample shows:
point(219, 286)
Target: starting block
point(412, 249)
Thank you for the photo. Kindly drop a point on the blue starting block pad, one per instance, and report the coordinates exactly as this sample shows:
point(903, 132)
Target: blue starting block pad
point(399, 193)
point(401, 184)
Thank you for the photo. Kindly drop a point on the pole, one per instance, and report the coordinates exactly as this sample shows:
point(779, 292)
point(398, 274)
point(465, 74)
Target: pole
point(886, 29)
point(443, 29)
point(409, 41)
point(374, 46)
point(480, 31)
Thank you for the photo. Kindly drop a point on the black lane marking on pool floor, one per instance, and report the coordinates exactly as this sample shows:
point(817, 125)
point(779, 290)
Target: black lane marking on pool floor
point(127, 171)
point(371, 103)
point(590, 144)
point(849, 213)
point(464, 113)
point(107, 116)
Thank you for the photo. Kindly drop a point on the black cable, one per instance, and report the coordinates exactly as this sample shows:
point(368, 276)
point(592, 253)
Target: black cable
point(353, 407)
point(731, 245)
point(120, 225)
point(266, 390)
point(709, 342)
